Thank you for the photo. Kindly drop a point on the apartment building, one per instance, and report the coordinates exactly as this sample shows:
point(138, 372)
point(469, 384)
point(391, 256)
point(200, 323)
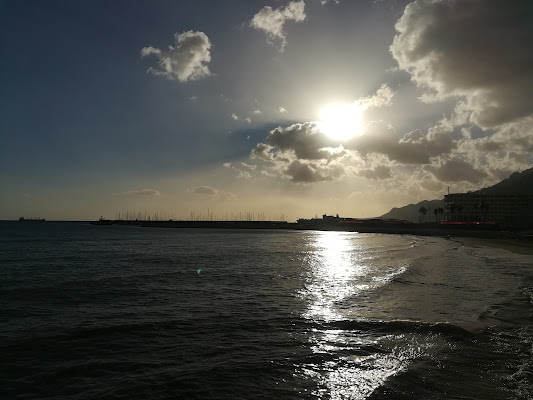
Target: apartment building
point(508, 210)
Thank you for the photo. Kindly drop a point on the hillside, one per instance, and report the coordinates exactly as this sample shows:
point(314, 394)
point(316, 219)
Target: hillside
point(410, 212)
point(517, 183)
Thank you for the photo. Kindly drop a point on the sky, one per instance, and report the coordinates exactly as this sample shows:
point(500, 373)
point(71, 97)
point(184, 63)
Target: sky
point(280, 109)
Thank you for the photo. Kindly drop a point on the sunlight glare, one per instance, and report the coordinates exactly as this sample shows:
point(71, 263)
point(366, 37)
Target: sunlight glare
point(341, 121)
point(334, 275)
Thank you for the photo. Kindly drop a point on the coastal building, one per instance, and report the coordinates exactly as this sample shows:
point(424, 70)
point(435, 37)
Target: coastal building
point(507, 210)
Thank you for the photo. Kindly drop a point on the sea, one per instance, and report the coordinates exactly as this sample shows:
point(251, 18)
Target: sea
point(125, 312)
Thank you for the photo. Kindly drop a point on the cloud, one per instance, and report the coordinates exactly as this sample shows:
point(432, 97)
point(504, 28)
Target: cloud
point(516, 137)
point(263, 152)
point(282, 110)
point(383, 97)
point(258, 112)
point(305, 140)
point(456, 170)
point(509, 149)
point(379, 172)
point(204, 190)
point(381, 138)
point(479, 50)
point(414, 147)
point(234, 117)
point(305, 154)
point(272, 21)
point(142, 192)
point(429, 184)
point(300, 172)
point(243, 171)
point(302, 153)
point(185, 61)
point(212, 192)
point(439, 140)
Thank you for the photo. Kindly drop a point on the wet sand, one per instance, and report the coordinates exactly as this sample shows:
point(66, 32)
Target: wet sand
point(522, 245)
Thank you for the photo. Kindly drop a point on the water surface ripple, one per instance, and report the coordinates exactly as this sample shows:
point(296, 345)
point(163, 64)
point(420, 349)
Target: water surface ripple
point(114, 312)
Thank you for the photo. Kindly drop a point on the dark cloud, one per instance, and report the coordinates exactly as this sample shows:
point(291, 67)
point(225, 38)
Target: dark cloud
point(381, 138)
point(300, 172)
point(305, 154)
point(519, 157)
point(413, 148)
point(478, 49)
point(187, 60)
point(456, 170)
point(439, 141)
point(305, 140)
point(302, 153)
point(489, 145)
point(524, 143)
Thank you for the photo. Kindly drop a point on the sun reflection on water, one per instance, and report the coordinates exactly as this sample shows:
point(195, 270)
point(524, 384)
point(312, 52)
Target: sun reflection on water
point(334, 275)
point(352, 363)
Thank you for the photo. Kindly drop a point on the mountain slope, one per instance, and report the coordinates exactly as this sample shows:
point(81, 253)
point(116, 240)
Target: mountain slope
point(517, 183)
point(410, 212)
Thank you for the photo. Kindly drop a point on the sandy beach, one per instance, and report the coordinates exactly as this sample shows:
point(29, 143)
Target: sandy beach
point(523, 245)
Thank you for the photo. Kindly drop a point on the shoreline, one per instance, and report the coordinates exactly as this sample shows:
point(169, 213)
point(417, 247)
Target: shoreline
point(517, 242)
point(522, 245)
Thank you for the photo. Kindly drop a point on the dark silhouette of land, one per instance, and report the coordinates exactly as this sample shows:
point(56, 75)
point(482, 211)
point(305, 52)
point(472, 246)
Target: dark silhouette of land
point(416, 219)
point(519, 185)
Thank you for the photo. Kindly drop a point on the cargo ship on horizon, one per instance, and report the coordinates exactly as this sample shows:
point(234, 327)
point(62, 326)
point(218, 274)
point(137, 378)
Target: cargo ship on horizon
point(22, 219)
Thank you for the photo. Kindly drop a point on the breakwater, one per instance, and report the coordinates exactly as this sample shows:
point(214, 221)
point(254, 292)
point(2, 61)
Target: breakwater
point(335, 224)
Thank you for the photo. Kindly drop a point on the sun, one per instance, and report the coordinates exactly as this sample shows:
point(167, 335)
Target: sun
point(341, 121)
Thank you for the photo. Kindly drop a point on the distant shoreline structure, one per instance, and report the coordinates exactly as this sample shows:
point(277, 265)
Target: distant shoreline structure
point(236, 224)
point(335, 223)
point(31, 219)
